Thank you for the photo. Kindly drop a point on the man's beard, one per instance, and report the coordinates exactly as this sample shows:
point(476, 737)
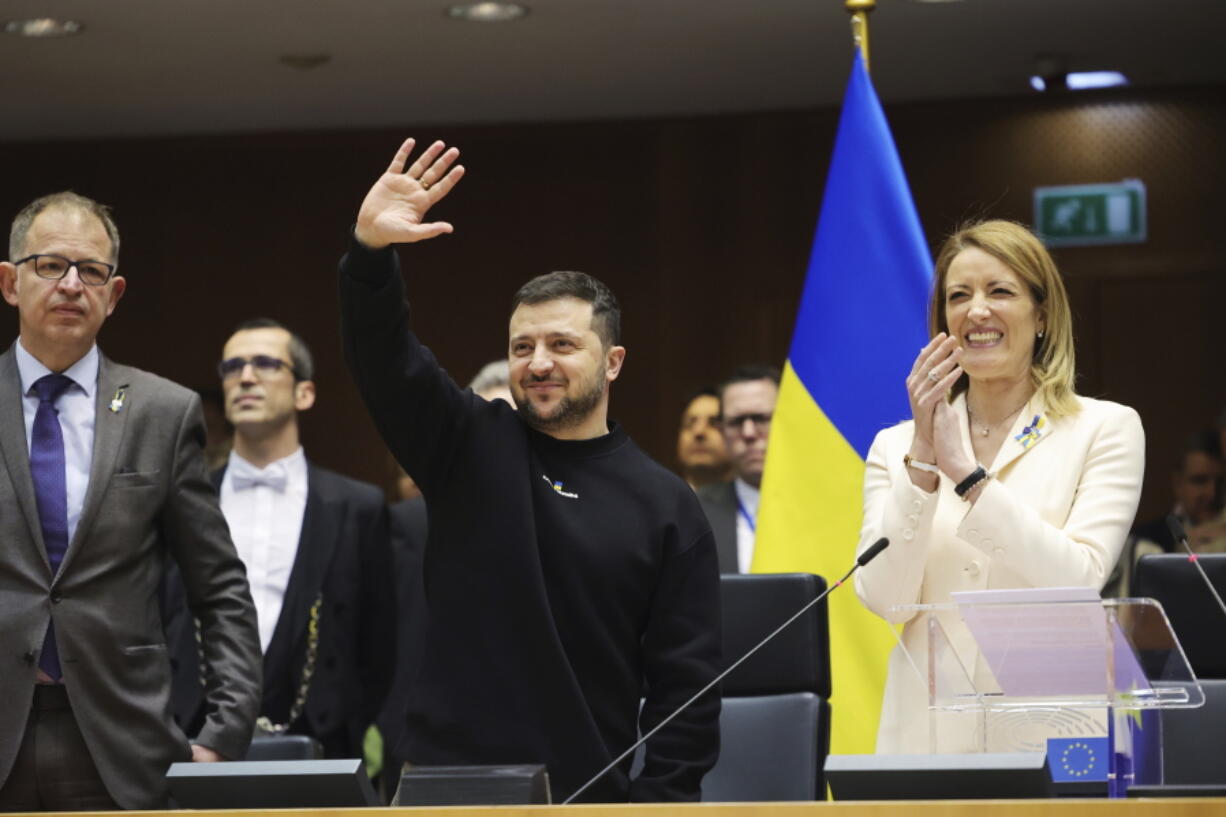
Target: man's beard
point(570, 412)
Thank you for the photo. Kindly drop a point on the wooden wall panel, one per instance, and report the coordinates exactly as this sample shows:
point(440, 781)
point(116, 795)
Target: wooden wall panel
point(702, 226)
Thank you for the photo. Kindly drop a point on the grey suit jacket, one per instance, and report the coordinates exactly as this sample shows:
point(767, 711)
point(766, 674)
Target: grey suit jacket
point(148, 499)
point(719, 504)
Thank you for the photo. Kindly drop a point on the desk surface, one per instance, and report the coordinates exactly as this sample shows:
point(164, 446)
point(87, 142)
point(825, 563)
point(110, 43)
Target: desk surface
point(1070, 807)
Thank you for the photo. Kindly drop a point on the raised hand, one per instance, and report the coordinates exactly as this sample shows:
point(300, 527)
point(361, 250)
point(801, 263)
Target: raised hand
point(949, 450)
point(394, 210)
point(934, 373)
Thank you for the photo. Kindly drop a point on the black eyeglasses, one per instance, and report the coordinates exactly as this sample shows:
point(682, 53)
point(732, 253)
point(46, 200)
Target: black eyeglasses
point(734, 424)
point(55, 267)
point(263, 364)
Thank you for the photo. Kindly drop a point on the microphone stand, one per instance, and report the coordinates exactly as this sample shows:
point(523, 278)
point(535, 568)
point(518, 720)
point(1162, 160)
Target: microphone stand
point(1181, 536)
point(863, 559)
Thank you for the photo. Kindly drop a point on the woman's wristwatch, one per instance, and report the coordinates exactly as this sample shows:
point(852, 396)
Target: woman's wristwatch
point(911, 462)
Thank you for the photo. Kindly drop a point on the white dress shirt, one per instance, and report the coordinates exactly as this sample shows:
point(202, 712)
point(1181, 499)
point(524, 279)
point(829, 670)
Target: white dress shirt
point(747, 498)
point(76, 409)
point(264, 509)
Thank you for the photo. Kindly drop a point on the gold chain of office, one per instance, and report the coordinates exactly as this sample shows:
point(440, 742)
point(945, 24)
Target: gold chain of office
point(264, 724)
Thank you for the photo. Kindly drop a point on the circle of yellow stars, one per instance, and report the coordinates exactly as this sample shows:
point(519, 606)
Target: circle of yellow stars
point(1090, 759)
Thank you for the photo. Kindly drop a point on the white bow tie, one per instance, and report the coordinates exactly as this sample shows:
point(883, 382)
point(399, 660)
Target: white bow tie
point(244, 475)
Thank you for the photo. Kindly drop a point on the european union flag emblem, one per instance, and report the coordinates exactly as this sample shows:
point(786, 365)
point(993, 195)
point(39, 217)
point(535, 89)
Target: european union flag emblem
point(1075, 760)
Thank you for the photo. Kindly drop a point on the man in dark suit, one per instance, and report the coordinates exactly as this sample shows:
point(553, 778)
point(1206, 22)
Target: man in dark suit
point(103, 478)
point(316, 548)
point(747, 403)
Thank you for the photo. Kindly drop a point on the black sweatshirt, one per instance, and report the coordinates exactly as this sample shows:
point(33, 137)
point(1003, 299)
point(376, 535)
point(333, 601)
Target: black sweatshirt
point(562, 576)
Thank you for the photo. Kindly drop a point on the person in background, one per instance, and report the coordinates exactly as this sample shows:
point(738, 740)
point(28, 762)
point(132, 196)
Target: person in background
point(747, 401)
point(1196, 485)
point(701, 450)
point(315, 545)
point(493, 382)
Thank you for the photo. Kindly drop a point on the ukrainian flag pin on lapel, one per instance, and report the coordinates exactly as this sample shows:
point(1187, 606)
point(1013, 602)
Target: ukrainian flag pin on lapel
point(121, 394)
point(1033, 430)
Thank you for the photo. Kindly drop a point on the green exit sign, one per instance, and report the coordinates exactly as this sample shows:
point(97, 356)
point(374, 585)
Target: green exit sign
point(1083, 214)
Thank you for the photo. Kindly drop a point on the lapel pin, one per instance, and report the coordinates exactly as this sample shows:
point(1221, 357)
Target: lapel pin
point(121, 394)
point(1032, 431)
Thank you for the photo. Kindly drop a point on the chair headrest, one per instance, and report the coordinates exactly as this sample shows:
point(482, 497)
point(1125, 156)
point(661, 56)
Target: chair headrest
point(798, 659)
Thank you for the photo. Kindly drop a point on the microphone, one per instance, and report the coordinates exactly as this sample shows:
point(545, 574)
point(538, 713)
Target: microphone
point(1181, 536)
point(867, 556)
point(861, 560)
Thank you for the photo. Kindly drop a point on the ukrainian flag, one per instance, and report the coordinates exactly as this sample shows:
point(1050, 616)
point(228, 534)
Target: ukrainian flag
point(860, 326)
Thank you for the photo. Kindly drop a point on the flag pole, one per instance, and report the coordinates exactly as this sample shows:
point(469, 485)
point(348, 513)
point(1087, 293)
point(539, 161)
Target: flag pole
point(859, 11)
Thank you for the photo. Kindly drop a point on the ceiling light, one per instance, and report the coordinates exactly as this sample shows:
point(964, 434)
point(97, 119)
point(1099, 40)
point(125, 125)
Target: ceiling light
point(42, 27)
point(488, 12)
point(1081, 80)
point(1078, 81)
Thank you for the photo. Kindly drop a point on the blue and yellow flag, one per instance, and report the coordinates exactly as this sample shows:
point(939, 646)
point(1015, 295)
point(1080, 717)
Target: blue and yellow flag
point(860, 326)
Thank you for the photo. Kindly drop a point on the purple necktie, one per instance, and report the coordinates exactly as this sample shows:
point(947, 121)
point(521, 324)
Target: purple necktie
point(50, 491)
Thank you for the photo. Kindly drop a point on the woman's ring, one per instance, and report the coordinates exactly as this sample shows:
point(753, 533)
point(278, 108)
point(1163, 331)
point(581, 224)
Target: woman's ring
point(933, 377)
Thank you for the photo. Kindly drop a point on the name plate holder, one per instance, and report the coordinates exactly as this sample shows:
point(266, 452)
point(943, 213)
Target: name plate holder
point(472, 786)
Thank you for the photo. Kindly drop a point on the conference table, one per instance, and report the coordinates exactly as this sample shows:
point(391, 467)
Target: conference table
point(1065, 807)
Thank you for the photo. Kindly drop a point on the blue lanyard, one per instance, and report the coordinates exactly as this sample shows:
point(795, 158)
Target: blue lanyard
point(745, 515)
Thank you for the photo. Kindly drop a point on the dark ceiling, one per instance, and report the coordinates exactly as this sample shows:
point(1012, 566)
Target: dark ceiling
point(145, 67)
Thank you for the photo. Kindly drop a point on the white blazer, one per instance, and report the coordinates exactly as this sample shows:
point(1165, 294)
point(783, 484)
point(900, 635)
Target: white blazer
point(1056, 514)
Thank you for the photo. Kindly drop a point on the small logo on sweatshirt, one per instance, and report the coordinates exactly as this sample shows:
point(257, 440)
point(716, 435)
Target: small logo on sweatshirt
point(559, 489)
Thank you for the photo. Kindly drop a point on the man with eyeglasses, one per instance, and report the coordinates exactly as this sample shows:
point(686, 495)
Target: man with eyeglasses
point(317, 553)
point(747, 403)
point(103, 479)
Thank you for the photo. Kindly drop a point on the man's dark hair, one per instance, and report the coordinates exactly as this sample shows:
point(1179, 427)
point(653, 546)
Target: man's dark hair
point(606, 314)
point(705, 391)
point(1204, 442)
point(299, 352)
point(750, 372)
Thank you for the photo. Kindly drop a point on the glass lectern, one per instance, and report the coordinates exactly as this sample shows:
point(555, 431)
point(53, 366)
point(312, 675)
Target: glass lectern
point(1008, 674)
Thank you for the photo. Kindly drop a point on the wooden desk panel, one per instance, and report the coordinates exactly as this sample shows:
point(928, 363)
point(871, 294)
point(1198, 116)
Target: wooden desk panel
point(1072, 807)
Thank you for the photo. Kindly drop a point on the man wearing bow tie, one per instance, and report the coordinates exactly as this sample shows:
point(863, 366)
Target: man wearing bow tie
point(316, 548)
point(102, 482)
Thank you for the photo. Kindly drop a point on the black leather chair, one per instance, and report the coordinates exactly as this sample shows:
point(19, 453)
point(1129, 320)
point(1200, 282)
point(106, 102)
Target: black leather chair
point(285, 747)
point(1193, 612)
point(775, 724)
point(1194, 740)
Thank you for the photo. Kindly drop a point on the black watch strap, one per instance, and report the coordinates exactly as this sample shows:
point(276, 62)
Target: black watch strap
point(971, 481)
